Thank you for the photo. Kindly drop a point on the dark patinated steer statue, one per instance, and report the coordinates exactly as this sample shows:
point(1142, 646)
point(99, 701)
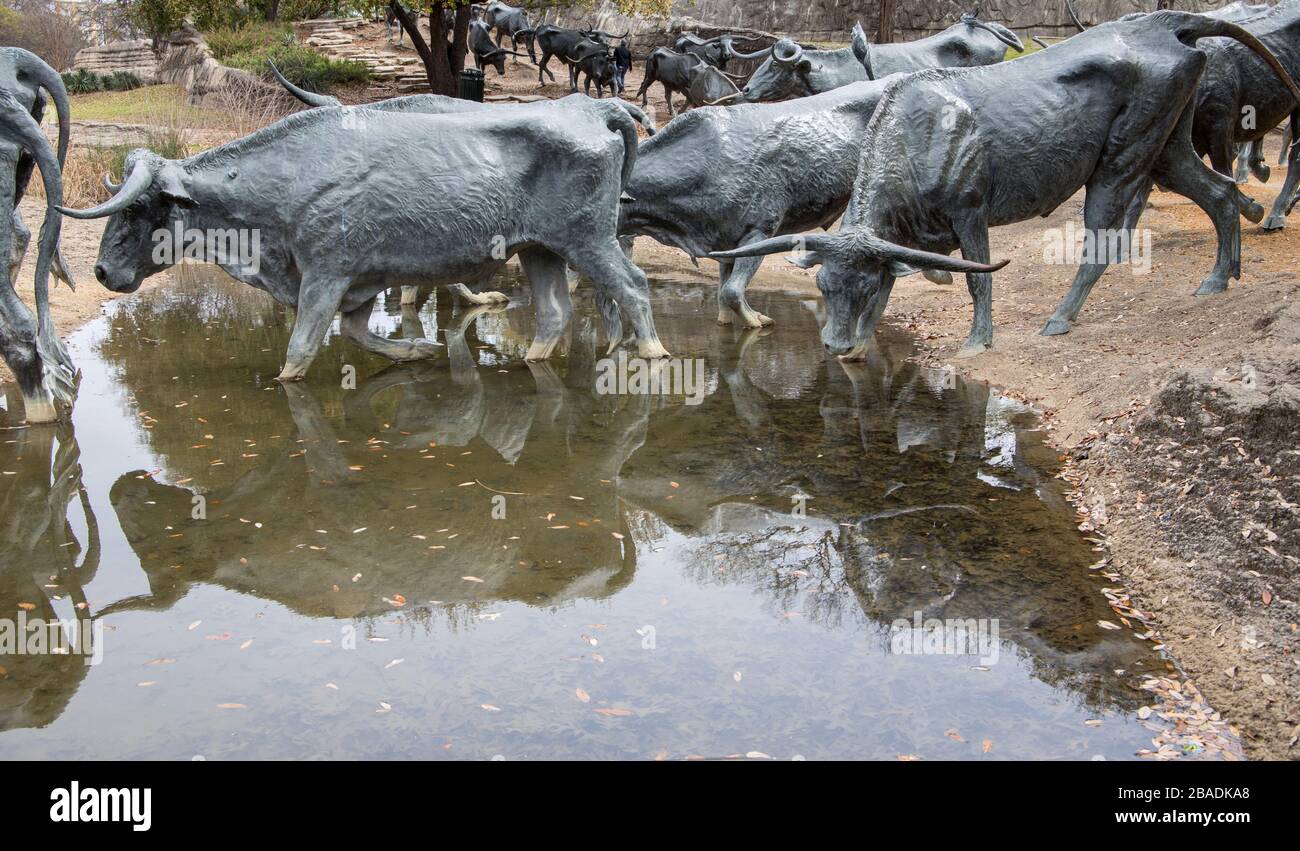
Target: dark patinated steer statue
point(723, 177)
point(792, 71)
point(950, 153)
point(700, 82)
point(345, 203)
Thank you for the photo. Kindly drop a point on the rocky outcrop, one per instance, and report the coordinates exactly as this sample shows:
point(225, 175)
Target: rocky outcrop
point(136, 57)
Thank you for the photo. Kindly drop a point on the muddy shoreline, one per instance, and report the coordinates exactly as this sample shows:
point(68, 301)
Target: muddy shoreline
point(1173, 414)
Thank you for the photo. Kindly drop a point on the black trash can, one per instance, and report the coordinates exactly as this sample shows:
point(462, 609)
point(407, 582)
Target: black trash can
point(471, 84)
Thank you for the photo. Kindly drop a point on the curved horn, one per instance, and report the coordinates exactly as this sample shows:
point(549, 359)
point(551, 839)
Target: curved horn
point(1069, 7)
point(777, 244)
point(1002, 34)
point(789, 59)
point(19, 127)
point(862, 49)
point(724, 99)
point(47, 79)
point(732, 53)
point(1038, 41)
point(309, 98)
point(110, 185)
point(133, 187)
point(928, 259)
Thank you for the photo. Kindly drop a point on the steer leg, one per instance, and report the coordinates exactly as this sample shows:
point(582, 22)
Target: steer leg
point(973, 234)
point(731, 294)
point(410, 294)
point(316, 308)
point(626, 284)
point(1221, 160)
point(545, 271)
point(668, 96)
point(1255, 161)
point(1241, 173)
point(355, 326)
point(1282, 204)
point(1103, 210)
point(1178, 168)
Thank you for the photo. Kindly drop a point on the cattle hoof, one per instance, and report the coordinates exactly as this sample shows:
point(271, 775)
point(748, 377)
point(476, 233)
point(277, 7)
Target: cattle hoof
point(651, 349)
point(410, 295)
point(970, 350)
point(287, 375)
point(1274, 223)
point(1261, 172)
point(1055, 328)
point(1211, 286)
point(1253, 212)
point(724, 316)
point(754, 319)
point(494, 297)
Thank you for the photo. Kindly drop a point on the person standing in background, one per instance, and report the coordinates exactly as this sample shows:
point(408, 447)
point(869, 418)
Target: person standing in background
point(622, 63)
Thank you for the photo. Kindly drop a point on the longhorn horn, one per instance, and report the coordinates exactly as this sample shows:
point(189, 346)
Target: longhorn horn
point(1002, 34)
point(1069, 7)
point(862, 49)
point(142, 174)
point(792, 58)
point(309, 98)
point(724, 99)
point(110, 185)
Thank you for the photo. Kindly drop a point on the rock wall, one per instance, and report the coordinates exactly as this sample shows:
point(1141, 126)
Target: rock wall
point(831, 20)
point(134, 56)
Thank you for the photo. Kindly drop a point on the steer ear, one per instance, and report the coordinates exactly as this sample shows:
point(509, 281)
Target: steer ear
point(173, 188)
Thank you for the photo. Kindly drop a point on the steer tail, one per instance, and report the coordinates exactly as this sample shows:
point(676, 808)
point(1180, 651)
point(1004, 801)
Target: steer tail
point(1188, 28)
point(620, 121)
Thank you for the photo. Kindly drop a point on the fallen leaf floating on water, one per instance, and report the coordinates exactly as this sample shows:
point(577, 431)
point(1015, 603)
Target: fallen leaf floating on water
point(231, 706)
point(394, 663)
point(194, 625)
point(954, 735)
point(909, 757)
point(471, 579)
point(384, 707)
point(582, 695)
point(661, 756)
point(27, 607)
point(1107, 625)
point(737, 676)
point(757, 755)
point(613, 712)
point(162, 661)
point(987, 746)
point(146, 684)
point(1092, 722)
point(490, 708)
point(332, 686)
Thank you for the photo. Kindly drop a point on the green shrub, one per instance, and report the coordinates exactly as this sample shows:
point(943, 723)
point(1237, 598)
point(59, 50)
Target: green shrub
point(121, 81)
point(82, 82)
point(302, 66)
point(250, 38)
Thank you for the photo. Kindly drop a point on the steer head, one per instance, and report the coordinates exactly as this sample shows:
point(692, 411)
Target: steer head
point(783, 75)
point(856, 264)
point(152, 196)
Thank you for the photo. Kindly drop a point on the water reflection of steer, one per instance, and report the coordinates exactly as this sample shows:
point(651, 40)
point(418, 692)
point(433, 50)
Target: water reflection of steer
point(43, 569)
point(505, 476)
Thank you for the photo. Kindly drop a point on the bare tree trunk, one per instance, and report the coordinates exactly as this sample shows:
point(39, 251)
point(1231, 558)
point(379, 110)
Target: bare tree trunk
point(460, 39)
point(885, 34)
point(436, 59)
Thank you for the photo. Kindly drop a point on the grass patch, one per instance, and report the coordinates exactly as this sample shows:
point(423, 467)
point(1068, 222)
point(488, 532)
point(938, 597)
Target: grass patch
point(140, 106)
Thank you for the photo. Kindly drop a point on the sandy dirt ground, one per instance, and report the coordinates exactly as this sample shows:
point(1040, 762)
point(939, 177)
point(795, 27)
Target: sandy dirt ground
point(1177, 416)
